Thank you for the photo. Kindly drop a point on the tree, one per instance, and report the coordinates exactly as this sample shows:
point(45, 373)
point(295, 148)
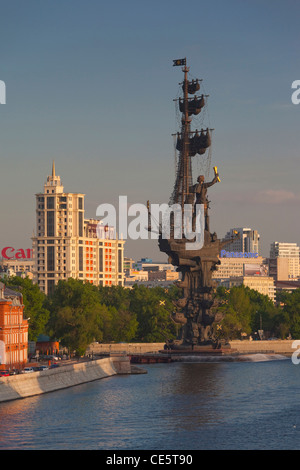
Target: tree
point(115, 296)
point(123, 323)
point(140, 313)
point(246, 309)
point(153, 308)
point(77, 327)
point(290, 313)
point(238, 311)
point(34, 304)
point(265, 313)
point(77, 317)
point(123, 326)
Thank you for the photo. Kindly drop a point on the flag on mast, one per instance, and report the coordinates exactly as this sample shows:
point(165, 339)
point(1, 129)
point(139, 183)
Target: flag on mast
point(179, 62)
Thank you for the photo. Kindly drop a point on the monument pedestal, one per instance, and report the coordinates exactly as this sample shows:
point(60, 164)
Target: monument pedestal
point(197, 349)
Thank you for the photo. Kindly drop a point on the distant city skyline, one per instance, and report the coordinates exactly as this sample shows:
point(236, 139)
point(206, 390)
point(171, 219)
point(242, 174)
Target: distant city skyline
point(92, 88)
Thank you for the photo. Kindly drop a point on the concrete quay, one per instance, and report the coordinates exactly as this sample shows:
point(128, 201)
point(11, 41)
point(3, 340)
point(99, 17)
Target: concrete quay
point(64, 376)
point(76, 373)
point(283, 347)
point(127, 348)
point(236, 347)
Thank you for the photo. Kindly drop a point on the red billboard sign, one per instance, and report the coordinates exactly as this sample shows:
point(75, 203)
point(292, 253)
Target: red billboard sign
point(10, 253)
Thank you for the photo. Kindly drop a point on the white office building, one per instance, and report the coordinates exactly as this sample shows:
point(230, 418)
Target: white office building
point(248, 241)
point(289, 254)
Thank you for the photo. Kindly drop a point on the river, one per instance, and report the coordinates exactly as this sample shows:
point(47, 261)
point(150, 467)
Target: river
point(189, 405)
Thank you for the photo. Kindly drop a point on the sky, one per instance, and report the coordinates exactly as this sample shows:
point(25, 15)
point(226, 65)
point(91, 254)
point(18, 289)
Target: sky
point(90, 84)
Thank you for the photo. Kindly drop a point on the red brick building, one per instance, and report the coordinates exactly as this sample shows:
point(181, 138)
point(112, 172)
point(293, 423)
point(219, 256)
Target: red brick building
point(46, 346)
point(13, 330)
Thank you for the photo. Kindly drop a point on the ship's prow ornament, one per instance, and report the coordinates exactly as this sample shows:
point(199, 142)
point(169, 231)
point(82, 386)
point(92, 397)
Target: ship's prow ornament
point(197, 311)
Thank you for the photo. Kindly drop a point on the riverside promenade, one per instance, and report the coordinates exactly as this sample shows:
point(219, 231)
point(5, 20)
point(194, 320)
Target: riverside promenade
point(264, 347)
point(64, 376)
point(239, 347)
point(71, 373)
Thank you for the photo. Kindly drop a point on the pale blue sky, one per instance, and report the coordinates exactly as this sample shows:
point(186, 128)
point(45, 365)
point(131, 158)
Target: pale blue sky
point(91, 85)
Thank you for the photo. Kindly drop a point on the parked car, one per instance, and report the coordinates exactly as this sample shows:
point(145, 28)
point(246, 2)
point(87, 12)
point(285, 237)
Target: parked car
point(28, 370)
point(4, 373)
point(42, 368)
point(50, 357)
point(53, 366)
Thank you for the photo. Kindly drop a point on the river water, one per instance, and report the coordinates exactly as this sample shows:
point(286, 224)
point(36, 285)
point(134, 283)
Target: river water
point(188, 405)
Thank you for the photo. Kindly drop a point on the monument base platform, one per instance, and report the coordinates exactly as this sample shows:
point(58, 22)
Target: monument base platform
point(200, 350)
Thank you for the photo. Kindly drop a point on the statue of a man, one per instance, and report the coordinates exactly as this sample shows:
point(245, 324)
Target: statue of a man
point(200, 190)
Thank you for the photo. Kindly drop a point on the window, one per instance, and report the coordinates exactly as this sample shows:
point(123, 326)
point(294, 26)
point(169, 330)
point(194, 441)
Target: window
point(120, 266)
point(80, 224)
point(50, 203)
point(100, 259)
point(50, 258)
point(50, 223)
point(80, 258)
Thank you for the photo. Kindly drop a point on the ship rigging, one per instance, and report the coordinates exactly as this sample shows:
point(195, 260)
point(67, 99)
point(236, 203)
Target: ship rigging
point(190, 145)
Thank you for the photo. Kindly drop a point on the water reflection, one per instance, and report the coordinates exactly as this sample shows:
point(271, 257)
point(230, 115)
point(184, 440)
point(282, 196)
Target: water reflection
point(190, 393)
point(174, 406)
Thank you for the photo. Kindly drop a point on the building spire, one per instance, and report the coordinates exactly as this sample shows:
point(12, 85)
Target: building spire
point(54, 182)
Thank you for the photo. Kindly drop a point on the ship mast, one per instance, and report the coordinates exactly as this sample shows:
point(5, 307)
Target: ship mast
point(186, 134)
point(189, 143)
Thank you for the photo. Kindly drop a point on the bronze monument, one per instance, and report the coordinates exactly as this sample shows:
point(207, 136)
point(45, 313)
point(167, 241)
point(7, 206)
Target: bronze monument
point(197, 311)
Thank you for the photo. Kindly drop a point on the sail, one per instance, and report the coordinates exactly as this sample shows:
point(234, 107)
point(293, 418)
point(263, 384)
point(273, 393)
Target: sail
point(199, 143)
point(194, 106)
point(196, 144)
point(189, 143)
point(193, 86)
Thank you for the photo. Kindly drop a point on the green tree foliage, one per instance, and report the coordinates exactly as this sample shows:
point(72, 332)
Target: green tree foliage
point(77, 317)
point(289, 319)
point(153, 308)
point(141, 314)
point(123, 322)
point(238, 311)
point(246, 310)
point(265, 313)
point(82, 313)
point(79, 313)
point(34, 304)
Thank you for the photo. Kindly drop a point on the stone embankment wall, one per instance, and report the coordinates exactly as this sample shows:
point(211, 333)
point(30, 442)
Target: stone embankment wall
point(128, 348)
point(36, 383)
point(274, 346)
point(243, 347)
